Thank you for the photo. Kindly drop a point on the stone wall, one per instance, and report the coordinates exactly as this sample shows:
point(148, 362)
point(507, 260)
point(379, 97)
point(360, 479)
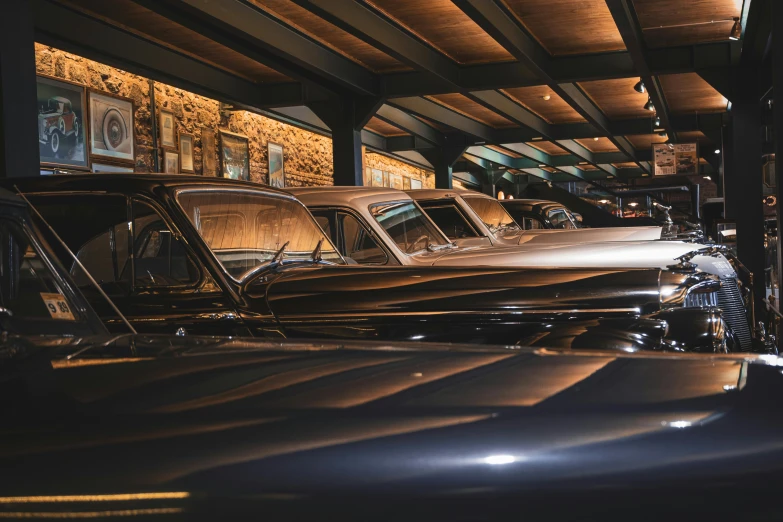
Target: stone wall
point(374, 160)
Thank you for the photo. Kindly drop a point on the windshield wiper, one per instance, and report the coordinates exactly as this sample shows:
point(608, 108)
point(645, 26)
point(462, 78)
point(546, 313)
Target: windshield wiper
point(316, 255)
point(251, 275)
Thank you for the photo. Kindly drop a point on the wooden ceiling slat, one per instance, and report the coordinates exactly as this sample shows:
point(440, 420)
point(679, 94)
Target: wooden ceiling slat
point(434, 124)
point(667, 23)
point(569, 26)
point(555, 110)
point(645, 141)
point(504, 151)
point(446, 28)
point(627, 165)
point(139, 20)
point(617, 99)
point(384, 129)
point(331, 36)
point(689, 93)
point(693, 136)
point(598, 145)
point(471, 109)
point(553, 149)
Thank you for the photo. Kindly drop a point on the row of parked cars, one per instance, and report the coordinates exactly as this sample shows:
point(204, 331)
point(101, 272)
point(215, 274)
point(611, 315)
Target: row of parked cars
point(204, 347)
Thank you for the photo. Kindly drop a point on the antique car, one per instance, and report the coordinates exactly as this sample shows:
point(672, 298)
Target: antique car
point(193, 255)
point(537, 214)
point(246, 429)
point(381, 226)
point(57, 121)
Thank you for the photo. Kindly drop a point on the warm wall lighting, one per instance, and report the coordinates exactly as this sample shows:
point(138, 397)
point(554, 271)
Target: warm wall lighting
point(501, 194)
point(736, 30)
point(510, 197)
point(639, 87)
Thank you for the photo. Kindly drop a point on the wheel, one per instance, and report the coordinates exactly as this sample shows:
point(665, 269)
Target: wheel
point(115, 130)
point(54, 142)
point(76, 129)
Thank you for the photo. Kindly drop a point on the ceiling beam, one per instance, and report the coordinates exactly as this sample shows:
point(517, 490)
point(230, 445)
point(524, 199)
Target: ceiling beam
point(434, 111)
point(627, 23)
point(408, 123)
point(76, 32)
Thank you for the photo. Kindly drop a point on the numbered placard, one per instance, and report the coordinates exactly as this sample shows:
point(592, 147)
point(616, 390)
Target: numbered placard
point(58, 307)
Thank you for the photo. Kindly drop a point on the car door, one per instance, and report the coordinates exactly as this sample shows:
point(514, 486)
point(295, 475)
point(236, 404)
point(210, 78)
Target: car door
point(353, 238)
point(141, 263)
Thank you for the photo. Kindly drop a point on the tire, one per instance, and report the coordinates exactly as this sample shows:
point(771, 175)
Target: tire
point(76, 129)
point(114, 128)
point(54, 142)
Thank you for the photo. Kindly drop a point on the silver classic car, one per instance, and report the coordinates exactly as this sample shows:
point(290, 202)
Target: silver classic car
point(381, 226)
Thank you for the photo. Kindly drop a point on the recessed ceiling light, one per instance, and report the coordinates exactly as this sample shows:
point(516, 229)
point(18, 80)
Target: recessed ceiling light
point(736, 30)
point(538, 138)
point(639, 87)
point(583, 163)
point(633, 204)
point(657, 122)
point(603, 201)
point(546, 97)
point(717, 151)
point(649, 105)
point(708, 178)
point(596, 139)
point(645, 175)
point(541, 166)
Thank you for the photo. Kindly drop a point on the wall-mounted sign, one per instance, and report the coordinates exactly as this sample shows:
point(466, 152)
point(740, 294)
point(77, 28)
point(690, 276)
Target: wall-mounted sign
point(676, 159)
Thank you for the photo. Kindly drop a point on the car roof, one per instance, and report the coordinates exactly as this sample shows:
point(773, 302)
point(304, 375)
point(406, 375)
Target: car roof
point(349, 196)
point(419, 194)
point(531, 203)
point(126, 183)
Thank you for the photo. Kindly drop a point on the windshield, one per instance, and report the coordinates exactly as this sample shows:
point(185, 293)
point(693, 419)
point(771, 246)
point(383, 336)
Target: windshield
point(244, 229)
point(494, 216)
point(408, 226)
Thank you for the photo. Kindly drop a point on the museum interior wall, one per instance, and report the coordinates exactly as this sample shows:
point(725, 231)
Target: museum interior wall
point(307, 155)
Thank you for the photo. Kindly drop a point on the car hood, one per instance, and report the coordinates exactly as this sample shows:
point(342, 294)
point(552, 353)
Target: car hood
point(626, 254)
point(235, 427)
point(589, 235)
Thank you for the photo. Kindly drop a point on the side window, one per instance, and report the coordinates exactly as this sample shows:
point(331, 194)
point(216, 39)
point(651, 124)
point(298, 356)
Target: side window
point(325, 219)
point(532, 223)
point(160, 259)
point(27, 287)
point(359, 244)
point(450, 221)
point(559, 219)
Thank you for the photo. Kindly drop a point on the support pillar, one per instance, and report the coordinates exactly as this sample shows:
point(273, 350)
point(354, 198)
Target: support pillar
point(743, 189)
point(19, 154)
point(443, 159)
point(777, 115)
point(346, 117)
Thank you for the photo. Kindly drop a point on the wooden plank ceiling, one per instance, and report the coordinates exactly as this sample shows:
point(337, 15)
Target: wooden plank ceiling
point(553, 149)
point(545, 103)
point(384, 129)
point(467, 107)
point(668, 23)
point(616, 98)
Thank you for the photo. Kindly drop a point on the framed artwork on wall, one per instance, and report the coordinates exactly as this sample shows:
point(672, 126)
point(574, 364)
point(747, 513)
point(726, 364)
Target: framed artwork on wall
point(406, 183)
point(208, 155)
point(415, 184)
point(234, 156)
point(107, 167)
point(386, 181)
point(167, 129)
point(377, 178)
point(276, 167)
point(62, 134)
point(170, 162)
point(395, 181)
point(112, 131)
point(186, 152)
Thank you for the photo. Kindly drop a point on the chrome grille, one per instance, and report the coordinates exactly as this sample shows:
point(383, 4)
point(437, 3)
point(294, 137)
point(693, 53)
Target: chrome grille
point(733, 307)
point(695, 300)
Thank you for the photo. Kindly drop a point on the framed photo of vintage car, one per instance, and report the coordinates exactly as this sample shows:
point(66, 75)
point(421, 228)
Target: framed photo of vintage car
point(234, 156)
point(62, 123)
point(395, 181)
point(108, 167)
point(170, 162)
point(406, 183)
point(208, 154)
point(112, 131)
point(186, 153)
point(167, 128)
point(276, 166)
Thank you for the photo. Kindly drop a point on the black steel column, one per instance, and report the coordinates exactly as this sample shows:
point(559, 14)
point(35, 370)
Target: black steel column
point(777, 114)
point(743, 189)
point(443, 159)
point(19, 154)
point(346, 117)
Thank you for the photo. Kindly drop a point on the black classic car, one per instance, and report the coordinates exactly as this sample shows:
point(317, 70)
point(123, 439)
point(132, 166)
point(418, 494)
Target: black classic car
point(192, 255)
point(247, 429)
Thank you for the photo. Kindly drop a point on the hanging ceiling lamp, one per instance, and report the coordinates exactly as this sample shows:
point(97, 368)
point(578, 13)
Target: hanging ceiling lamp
point(639, 87)
point(736, 30)
point(657, 122)
point(649, 105)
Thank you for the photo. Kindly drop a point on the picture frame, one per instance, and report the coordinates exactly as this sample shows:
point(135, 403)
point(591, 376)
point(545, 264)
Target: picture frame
point(406, 183)
point(395, 181)
point(234, 156)
point(112, 127)
point(377, 178)
point(386, 181)
point(275, 159)
point(108, 167)
point(63, 123)
point(208, 152)
point(170, 162)
point(186, 142)
point(415, 184)
point(167, 129)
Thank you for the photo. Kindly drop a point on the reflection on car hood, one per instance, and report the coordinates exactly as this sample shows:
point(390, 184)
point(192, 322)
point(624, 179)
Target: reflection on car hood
point(244, 426)
point(590, 235)
point(625, 254)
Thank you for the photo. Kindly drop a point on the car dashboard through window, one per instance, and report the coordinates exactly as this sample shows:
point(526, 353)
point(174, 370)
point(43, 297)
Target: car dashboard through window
point(494, 216)
point(408, 226)
point(244, 229)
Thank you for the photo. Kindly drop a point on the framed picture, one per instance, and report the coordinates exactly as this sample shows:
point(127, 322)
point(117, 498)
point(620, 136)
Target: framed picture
point(112, 133)
point(395, 181)
point(208, 155)
point(406, 183)
point(377, 178)
point(167, 129)
point(386, 182)
point(170, 162)
point(276, 169)
point(234, 156)
point(186, 152)
point(106, 167)
point(415, 184)
point(62, 123)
